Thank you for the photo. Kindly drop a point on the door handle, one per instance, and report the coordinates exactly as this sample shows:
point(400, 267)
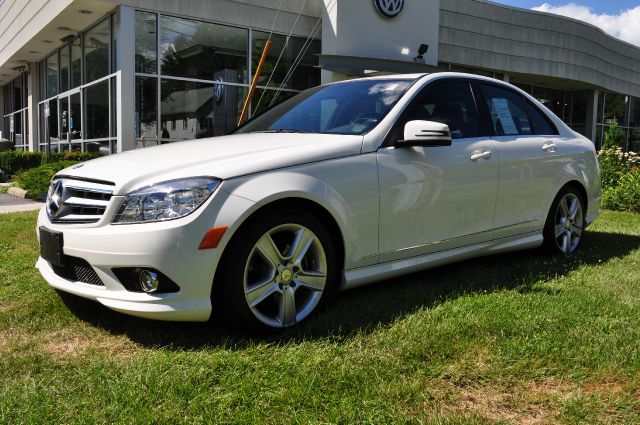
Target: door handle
point(549, 147)
point(476, 155)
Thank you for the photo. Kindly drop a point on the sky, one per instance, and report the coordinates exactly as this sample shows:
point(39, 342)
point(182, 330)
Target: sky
point(620, 18)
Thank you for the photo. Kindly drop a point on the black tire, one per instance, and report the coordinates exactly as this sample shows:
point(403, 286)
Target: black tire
point(555, 244)
point(228, 295)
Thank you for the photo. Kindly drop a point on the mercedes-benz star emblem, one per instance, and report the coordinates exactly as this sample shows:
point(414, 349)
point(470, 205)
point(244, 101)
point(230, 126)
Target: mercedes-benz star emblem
point(56, 197)
point(389, 8)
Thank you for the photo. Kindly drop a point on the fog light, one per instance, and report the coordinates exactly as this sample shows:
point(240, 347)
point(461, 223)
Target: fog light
point(149, 281)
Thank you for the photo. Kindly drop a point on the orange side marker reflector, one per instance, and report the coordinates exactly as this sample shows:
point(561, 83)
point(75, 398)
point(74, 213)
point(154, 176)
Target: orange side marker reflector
point(212, 238)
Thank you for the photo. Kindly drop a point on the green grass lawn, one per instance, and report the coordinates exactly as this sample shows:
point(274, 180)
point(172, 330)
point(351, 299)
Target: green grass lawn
point(518, 338)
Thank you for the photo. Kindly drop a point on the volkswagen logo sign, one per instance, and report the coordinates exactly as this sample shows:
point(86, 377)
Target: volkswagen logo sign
point(389, 8)
point(219, 90)
point(55, 199)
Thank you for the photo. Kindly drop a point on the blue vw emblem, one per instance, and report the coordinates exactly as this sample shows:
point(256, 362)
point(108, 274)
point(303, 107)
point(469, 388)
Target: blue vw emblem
point(389, 8)
point(219, 91)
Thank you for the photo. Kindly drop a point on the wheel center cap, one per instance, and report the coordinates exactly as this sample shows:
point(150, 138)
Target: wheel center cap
point(286, 276)
point(567, 225)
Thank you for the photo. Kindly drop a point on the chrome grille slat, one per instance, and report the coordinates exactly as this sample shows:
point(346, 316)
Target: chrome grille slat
point(77, 201)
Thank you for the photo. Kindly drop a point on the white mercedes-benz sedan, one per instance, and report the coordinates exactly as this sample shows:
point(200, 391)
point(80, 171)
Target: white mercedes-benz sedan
point(339, 186)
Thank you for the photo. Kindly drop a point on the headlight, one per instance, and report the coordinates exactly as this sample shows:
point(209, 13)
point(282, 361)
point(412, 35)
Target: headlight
point(166, 201)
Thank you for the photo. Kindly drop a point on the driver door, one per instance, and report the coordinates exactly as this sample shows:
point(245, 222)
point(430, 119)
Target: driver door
point(437, 198)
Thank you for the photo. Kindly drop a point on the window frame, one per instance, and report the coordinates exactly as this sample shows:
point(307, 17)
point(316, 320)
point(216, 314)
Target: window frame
point(389, 141)
point(525, 100)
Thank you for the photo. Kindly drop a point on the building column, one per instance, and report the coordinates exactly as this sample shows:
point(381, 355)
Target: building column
point(32, 102)
point(125, 63)
point(592, 116)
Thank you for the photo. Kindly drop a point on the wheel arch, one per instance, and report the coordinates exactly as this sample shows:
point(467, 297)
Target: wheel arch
point(295, 203)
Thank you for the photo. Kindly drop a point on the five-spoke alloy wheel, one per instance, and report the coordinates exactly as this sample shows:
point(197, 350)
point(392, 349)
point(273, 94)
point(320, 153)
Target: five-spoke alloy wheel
point(285, 275)
point(566, 222)
point(278, 271)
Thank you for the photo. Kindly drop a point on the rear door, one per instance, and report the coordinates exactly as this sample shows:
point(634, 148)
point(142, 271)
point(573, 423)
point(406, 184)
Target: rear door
point(529, 149)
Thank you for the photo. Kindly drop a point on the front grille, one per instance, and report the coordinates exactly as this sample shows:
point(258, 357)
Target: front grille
point(77, 270)
point(78, 201)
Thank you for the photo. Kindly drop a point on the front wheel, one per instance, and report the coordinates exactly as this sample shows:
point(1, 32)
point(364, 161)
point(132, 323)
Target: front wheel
point(565, 224)
point(281, 268)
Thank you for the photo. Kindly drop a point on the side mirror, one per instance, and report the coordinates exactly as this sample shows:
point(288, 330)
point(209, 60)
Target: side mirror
point(425, 133)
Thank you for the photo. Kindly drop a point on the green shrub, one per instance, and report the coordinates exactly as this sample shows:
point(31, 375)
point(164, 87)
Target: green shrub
point(72, 156)
point(626, 195)
point(14, 161)
point(36, 180)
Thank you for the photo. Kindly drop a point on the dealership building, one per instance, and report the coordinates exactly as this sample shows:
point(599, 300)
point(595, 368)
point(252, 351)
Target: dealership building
point(111, 76)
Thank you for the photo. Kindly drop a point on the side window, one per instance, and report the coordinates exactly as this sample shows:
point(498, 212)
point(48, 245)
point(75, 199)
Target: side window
point(508, 112)
point(447, 102)
point(541, 123)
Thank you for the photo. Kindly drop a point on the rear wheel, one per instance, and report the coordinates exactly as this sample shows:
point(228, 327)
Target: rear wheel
point(280, 268)
point(565, 224)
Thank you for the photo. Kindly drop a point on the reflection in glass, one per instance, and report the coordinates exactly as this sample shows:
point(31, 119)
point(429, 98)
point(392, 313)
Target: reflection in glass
point(52, 122)
point(96, 51)
point(190, 101)
point(227, 107)
point(64, 69)
point(203, 50)
point(306, 74)
point(75, 123)
point(96, 98)
point(146, 105)
point(18, 94)
point(63, 107)
point(146, 52)
point(76, 63)
point(17, 129)
point(614, 108)
point(552, 99)
point(115, 28)
point(634, 112)
point(579, 107)
point(52, 75)
point(263, 98)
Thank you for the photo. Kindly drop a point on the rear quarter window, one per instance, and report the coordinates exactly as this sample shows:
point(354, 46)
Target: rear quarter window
point(542, 125)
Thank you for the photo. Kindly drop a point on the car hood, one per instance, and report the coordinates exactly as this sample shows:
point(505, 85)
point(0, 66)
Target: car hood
point(223, 157)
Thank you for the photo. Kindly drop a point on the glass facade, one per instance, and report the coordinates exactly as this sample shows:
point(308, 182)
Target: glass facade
point(192, 76)
point(78, 93)
point(625, 111)
point(16, 127)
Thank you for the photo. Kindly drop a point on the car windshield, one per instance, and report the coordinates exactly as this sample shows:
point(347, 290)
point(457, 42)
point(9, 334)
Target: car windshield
point(345, 108)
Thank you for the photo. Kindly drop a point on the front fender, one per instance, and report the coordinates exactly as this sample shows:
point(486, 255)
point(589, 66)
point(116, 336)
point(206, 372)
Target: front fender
point(347, 188)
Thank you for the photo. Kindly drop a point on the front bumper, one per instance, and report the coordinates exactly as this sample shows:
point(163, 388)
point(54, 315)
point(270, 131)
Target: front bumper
point(170, 247)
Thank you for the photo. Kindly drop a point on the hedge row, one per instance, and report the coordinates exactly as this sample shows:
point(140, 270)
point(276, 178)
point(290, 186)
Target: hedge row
point(12, 162)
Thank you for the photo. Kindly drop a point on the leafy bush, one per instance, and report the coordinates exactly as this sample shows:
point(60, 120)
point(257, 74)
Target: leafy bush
point(14, 161)
point(614, 163)
point(36, 180)
point(626, 195)
point(72, 156)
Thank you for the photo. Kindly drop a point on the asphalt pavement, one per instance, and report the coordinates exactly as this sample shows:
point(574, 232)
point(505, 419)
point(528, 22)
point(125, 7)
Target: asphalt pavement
point(10, 203)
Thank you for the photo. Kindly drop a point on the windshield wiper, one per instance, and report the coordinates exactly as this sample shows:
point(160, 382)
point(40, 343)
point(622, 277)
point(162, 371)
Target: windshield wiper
point(283, 130)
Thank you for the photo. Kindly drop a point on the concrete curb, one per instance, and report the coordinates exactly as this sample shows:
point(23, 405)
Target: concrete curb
point(20, 208)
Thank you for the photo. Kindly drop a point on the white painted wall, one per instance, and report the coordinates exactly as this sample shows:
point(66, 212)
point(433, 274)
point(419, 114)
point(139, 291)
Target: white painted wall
point(355, 28)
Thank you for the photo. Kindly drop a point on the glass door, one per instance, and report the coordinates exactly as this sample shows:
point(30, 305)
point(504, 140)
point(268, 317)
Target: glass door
point(70, 121)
